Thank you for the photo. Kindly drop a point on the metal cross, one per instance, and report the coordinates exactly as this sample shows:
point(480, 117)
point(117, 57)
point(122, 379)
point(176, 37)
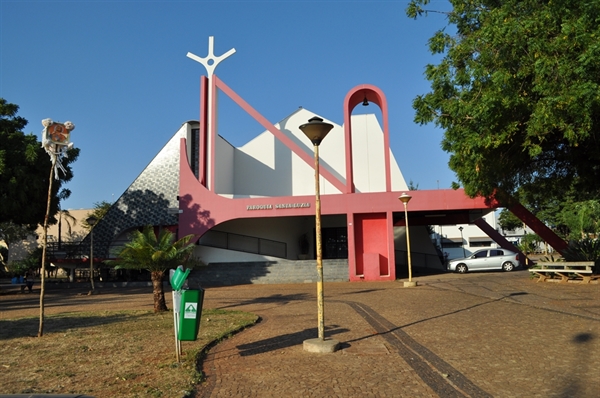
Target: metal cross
point(210, 62)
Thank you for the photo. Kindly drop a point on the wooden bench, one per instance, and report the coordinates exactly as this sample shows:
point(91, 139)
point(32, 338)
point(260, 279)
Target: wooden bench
point(566, 270)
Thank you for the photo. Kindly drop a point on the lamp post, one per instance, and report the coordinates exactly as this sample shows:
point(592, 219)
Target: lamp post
point(91, 220)
point(405, 198)
point(462, 242)
point(316, 130)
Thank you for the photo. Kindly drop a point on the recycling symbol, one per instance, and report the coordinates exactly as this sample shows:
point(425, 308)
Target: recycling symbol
point(190, 311)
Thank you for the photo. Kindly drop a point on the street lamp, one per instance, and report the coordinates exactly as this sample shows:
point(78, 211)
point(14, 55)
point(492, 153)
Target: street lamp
point(405, 198)
point(91, 220)
point(316, 130)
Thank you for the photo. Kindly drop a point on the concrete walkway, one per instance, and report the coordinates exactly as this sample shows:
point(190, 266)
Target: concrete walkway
point(473, 335)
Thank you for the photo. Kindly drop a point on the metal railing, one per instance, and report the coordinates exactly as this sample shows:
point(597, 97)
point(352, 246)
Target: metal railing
point(244, 243)
point(73, 251)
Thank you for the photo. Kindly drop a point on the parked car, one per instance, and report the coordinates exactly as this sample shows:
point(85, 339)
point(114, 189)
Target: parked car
point(485, 259)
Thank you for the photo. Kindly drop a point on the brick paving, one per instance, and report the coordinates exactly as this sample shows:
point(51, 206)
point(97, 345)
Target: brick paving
point(472, 335)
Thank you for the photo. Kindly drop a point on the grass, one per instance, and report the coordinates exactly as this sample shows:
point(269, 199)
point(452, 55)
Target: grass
point(107, 354)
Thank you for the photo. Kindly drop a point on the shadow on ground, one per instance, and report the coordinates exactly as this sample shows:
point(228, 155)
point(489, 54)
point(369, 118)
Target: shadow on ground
point(285, 340)
point(28, 327)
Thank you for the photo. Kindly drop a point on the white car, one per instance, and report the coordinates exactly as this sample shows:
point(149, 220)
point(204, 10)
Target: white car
point(486, 259)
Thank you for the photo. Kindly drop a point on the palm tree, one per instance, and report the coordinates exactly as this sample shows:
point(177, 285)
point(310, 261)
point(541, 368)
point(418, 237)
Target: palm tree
point(156, 254)
point(99, 211)
point(69, 220)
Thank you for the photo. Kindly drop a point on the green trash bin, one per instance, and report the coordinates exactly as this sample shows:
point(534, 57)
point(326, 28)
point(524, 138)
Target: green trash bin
point(190, 314)
point(178, 278)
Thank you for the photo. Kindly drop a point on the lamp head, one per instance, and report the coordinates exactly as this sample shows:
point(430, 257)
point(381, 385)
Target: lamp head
point(405, 198)
point(91, 220)
point(460, 229)
point(316, 129)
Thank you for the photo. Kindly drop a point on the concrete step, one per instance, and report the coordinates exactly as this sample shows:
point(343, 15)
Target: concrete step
point(268, 272)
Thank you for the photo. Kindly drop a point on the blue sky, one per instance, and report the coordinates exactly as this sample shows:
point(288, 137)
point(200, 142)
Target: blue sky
point(118, 70)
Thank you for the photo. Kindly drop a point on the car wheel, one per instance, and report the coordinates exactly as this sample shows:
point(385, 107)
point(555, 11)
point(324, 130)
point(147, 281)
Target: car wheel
point(508, 266)
point(461, 268)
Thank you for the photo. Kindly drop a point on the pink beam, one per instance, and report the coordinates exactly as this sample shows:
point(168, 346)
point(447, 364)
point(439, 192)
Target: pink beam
point(213, 133)
point(539, 227)
point(308, 158)
point(202, 136)
point(204, 209)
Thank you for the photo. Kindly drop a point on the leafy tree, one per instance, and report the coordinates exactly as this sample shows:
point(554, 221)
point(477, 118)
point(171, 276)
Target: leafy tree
point(24, 172)
point(31, 262)
point(518, 95)
point(11, 233)
point(548, 208)
point(509, 221)
point(156, 254)
point(570, 218)
point(582, 219)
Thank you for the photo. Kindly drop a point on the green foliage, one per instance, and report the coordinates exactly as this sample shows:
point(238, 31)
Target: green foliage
point(509, 221)
point(156, 254)
point(581, 218)
point(148, 251)
point(11, 233)
point(529, 243)
point(16, 268)
point(571, 217)
point(518, 95)
point(586, 249)
point(31, 262)
point(24, 172)
point(550, 259)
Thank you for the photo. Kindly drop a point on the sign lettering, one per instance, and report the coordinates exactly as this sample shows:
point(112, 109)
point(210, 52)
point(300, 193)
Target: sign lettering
point(279, 206)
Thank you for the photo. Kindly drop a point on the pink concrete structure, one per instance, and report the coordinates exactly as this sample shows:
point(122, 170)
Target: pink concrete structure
point(367, 202)
point(370, 215)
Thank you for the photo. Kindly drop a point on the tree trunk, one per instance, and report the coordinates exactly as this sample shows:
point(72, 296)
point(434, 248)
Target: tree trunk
point(158, 291)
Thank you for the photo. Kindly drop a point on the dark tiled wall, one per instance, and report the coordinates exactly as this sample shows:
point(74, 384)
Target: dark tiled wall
point(145, 202)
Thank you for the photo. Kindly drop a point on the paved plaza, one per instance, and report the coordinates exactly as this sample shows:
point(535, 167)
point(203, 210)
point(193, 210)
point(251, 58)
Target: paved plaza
point(473, 335)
